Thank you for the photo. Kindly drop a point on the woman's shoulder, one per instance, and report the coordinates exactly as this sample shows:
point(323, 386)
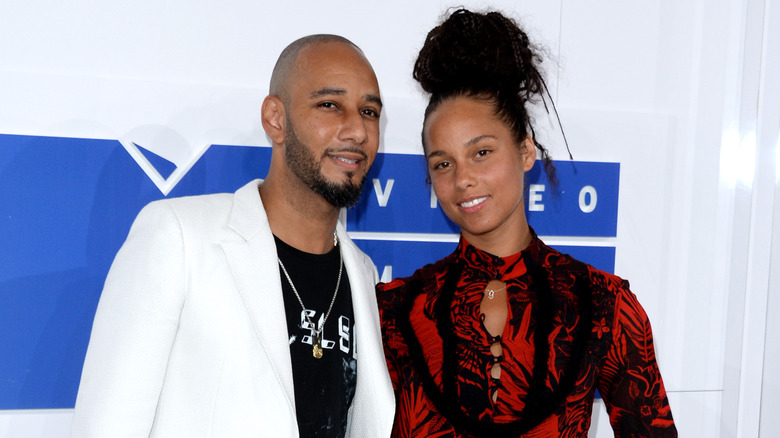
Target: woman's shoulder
point(401, 292)
point(565, 264)
point(422, 275)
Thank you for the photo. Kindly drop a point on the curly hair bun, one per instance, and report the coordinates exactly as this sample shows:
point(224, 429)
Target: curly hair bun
point(477, 52)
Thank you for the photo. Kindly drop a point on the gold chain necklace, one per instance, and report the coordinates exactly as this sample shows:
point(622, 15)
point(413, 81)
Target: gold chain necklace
point(492, 292)
point(316, 350)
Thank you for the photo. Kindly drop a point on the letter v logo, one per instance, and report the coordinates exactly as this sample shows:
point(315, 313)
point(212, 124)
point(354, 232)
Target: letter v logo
point(383, 195)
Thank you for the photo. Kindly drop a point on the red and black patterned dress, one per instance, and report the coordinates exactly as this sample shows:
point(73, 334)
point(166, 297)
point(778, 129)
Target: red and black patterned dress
point(570, 329)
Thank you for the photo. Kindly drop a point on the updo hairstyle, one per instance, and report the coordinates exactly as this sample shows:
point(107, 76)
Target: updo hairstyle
point(485, 56)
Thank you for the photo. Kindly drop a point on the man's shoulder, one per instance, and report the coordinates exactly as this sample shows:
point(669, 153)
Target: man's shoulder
point(193, 202)
point(190, 207)
point(214, 206)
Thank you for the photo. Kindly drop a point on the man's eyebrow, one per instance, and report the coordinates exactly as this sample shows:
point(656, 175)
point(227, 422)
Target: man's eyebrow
point(374, 99)
point(328, 91)
point(333, 91)
point(435, 153)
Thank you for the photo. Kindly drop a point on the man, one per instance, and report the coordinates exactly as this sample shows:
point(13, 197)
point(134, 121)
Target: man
point(234, 315)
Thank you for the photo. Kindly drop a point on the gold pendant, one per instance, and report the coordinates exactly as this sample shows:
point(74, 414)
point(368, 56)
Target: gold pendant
point(316, 350)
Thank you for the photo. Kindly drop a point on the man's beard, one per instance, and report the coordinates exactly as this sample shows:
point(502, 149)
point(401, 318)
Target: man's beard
point(304, 165)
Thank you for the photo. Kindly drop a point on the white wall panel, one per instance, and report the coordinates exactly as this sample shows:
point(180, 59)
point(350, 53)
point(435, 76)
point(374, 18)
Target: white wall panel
point(52, 423)
point(696, 414)
point(647, 66)
point(766, 254)
point(610, 54)
point(770, 384)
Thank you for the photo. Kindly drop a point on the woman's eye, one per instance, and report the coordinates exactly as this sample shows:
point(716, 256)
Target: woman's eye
point(483, 152)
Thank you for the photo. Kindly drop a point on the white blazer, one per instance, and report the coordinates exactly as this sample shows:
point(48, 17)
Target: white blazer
point(190, 337)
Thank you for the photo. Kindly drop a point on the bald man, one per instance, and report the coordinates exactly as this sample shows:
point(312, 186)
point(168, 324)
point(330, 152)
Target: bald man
point(253, 314)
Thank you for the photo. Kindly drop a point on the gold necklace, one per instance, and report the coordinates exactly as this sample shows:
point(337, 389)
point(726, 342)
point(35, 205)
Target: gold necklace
point(491, 293)
point(316, 350)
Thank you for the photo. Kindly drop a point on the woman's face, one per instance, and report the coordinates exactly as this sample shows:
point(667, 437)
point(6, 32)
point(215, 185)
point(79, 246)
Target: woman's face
point(477, 168)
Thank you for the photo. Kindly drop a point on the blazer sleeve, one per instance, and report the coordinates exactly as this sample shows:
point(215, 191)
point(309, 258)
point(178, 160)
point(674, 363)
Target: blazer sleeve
point(133, 330)
point(630, 381)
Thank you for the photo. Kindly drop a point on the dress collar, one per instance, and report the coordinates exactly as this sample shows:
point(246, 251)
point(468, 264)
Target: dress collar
point(494, 267)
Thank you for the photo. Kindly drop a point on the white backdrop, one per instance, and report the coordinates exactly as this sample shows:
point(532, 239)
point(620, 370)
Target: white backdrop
point(680, 93)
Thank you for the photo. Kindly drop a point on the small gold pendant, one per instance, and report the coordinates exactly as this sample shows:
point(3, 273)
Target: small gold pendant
point(316, 350)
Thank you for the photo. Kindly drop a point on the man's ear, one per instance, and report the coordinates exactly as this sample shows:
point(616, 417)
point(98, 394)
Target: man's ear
point(274, 119)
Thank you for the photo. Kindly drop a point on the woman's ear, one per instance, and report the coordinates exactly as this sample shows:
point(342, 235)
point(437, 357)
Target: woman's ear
point(273, 117)
point(528, 152)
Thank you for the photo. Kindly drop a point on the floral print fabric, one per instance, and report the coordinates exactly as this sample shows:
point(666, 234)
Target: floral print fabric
point(570, 329)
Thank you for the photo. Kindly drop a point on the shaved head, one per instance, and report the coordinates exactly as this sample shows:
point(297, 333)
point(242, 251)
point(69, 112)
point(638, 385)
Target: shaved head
point(284, 67)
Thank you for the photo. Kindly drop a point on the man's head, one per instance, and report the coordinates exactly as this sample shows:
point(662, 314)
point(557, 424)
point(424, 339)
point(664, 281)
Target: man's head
point(322, 114)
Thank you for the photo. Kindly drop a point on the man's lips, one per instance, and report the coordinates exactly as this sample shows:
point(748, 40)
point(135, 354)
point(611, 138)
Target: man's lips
point(348, 158)
point(345, 159)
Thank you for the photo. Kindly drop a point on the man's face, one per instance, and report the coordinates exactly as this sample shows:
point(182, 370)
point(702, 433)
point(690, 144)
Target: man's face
point(332, 121)
point(305, 165)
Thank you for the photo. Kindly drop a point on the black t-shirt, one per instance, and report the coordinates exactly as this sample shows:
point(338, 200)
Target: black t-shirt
point(324, 387)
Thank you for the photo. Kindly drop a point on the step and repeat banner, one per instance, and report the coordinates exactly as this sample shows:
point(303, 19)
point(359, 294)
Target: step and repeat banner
point(67, 204)
point(397, 200)
point(105, 108)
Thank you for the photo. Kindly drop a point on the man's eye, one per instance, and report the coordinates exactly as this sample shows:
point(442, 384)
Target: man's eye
point(442, 165)
point(371, 113)
point(328, 105)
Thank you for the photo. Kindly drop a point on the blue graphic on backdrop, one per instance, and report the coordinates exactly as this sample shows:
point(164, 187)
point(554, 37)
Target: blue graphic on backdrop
point(397, 199)
point(164, 167)
point(65, 209)
point(395, 259)
point(67, 205)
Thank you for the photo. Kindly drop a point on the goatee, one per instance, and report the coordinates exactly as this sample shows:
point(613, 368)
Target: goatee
point(305, 166)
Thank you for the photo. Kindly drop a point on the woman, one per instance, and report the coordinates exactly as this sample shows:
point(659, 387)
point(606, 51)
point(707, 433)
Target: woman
point(506, 336)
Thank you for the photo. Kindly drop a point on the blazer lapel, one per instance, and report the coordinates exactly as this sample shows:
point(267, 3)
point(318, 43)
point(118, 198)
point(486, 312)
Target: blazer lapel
point(253, 264)
point(373, 406)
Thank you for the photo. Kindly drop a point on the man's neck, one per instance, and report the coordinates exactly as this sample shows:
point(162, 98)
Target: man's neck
point(299, 217)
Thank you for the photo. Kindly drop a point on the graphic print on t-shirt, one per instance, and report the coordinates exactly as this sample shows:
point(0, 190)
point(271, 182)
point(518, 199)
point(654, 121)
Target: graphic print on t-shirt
point(342, 338)
point(324, 386)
